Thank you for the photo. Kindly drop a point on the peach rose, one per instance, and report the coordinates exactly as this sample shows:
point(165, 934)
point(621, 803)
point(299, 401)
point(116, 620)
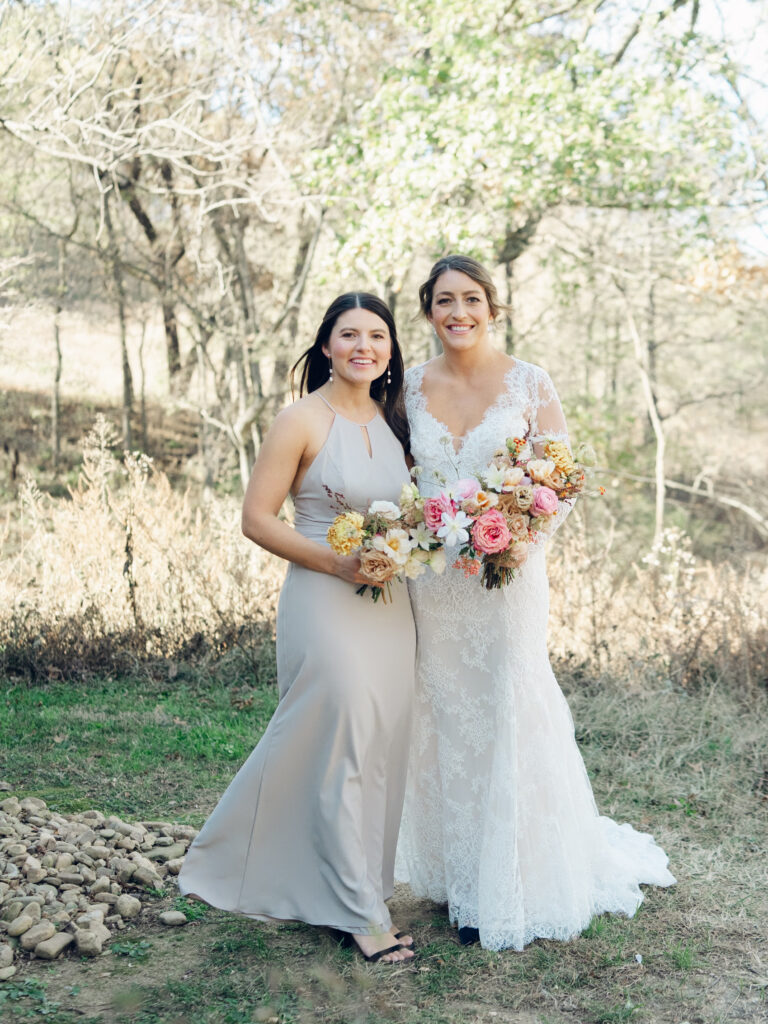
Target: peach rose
point(480, 502)
point(490, 532)
point(377, 566)
point(517, 524)
point(512, 477)
point(539, 469)
point(523, 496)
point(555, 480)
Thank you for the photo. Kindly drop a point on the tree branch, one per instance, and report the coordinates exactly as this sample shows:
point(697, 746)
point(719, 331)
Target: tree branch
point(759, 522)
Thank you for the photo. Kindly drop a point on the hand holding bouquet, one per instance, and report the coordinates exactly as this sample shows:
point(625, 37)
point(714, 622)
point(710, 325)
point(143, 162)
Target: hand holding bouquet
point(493, 518)
point(394, 541)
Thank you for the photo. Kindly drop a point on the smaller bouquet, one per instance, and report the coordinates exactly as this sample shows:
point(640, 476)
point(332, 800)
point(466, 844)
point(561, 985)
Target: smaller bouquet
point(394, 541)
point(493, 518)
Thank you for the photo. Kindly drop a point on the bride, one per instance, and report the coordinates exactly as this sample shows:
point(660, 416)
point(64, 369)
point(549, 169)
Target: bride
point(500, 822)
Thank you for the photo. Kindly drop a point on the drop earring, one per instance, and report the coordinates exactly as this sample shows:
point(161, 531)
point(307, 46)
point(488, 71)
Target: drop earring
point(389, 373)
point(330, 371)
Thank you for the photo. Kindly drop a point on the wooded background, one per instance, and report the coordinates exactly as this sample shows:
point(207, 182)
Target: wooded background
point(185, 184)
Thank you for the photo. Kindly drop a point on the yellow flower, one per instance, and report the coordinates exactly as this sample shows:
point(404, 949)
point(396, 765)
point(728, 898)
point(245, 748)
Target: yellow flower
point(345, 534)
point(560, 454)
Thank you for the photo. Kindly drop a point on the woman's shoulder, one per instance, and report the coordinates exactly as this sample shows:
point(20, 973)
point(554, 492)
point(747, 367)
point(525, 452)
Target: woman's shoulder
point(303, 414)
point(412, 381)
point(535, 376)
point(414, 373)
point(531, 369)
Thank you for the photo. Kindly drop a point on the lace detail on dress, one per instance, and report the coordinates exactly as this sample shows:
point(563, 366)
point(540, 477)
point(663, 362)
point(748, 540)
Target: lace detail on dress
point(500, 822)
point(527, 407)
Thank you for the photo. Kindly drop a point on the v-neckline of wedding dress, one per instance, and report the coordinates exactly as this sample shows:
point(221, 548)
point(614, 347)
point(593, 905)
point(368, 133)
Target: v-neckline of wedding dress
point(494, 405)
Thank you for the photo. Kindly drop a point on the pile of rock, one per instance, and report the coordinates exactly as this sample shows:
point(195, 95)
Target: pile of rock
point(65, 879)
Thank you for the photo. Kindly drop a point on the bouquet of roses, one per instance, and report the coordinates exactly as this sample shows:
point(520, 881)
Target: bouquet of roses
point(493, 518)
point(394, 541)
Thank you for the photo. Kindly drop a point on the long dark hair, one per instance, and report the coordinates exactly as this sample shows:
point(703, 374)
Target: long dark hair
point(466, 265)
point(314, 362)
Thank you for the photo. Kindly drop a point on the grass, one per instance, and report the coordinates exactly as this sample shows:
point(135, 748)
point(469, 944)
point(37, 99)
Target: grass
point(138, 744)
point(689, 768)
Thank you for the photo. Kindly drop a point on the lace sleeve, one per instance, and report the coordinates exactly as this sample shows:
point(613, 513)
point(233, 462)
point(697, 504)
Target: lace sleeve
point(547, 423)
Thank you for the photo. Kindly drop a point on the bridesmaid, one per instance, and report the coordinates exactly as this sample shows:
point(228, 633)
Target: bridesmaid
point(307, 829)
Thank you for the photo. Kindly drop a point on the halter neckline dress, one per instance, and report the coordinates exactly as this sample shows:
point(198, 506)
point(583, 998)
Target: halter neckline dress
point(308, 827)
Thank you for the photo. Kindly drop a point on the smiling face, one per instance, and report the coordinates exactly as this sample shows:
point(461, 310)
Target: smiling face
point(460, 312)
point(359, 347)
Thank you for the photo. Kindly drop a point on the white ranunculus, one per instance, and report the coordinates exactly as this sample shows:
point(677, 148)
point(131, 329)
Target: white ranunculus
point(512, 477)
point(386, 509)
point(395, 543)
point(408, 495)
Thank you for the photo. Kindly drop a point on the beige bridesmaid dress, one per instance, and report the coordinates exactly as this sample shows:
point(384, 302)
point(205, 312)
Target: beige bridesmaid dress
point(308, 827)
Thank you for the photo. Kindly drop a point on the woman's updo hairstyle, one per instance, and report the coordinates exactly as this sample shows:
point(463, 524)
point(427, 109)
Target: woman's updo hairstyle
point(314, 362)
point(465, 265)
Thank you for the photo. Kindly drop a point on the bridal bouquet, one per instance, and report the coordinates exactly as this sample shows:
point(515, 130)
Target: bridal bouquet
point(394, 541)
point(493, 518)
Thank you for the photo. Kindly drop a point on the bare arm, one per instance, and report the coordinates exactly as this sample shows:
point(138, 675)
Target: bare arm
point(273, 474)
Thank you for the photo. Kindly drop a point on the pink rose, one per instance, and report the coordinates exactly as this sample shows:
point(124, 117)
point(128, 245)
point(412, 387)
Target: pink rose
point(544, 502)
point(462, 490)
point(434, 508)
point(490, 533)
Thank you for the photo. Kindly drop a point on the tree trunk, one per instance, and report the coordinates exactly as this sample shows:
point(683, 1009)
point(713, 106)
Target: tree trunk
point(641, 360)
point(171, 326)
point(143, 387)
point(61, 291)
point(116, 268)
point(509, 330)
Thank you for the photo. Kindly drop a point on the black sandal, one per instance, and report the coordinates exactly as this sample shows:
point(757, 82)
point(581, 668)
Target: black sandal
point(347, 940)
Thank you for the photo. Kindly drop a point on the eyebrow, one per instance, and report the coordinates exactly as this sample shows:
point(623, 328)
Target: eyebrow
point(469, 291)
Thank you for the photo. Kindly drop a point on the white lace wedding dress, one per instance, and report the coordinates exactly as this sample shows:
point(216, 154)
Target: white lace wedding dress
point(500, 822)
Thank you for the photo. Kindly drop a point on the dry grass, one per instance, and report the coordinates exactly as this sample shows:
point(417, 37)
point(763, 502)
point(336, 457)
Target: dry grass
point(639, 615)
point(126, 570)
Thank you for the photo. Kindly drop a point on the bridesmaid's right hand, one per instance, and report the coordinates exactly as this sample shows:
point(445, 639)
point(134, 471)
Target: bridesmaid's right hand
point(347, 567)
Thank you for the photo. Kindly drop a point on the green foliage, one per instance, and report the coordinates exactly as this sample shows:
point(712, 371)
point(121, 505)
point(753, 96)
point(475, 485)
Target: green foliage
point(490, 114)
point(193, 910)
point(134, 949)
